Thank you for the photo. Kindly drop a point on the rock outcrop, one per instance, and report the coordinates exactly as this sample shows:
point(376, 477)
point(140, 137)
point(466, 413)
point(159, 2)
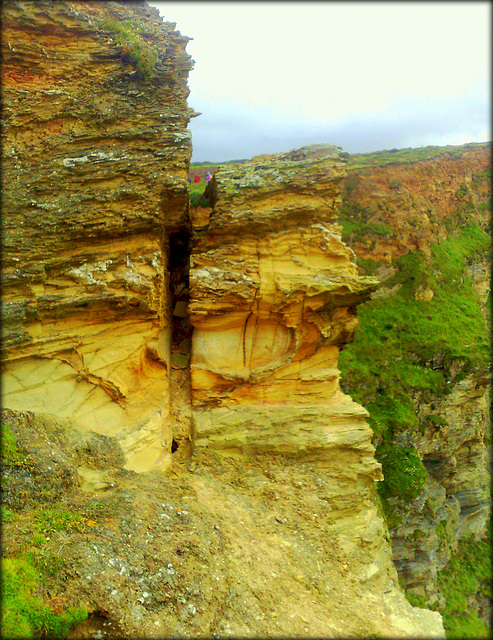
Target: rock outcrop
point(273, 296)
point(122, 344)
point(95, 162)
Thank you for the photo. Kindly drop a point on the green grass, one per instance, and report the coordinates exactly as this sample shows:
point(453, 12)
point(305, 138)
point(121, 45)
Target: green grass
point(468, 573)
point(399, 156)
point(132, 45)
point(409, 351)
point(58, 519)
point(24, 614)
point(11, 454)
point(6, 513)
point(403, 470)
point(196, 189)
point(405, 346)
point(356, 225)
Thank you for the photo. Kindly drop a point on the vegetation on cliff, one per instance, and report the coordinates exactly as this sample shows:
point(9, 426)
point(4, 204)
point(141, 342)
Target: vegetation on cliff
point(410, 154)
point(131, 40)
point(406, 345)
point(467, 576)
point(418, 339)
point(30, 575)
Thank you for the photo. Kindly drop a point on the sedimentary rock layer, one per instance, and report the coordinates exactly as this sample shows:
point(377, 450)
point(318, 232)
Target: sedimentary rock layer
point(273, 297)
point(417, 200)
point(273, 292)
point(273, 287)
point(96, 155)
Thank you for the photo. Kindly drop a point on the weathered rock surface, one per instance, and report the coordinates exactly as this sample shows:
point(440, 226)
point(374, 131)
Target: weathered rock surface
point(273, 293)
point(417, 199)
point(231, 547)
point(95, 162)
point(273, 288)
point(102, 378)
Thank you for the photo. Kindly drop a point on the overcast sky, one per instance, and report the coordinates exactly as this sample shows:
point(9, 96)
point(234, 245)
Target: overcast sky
point(366, 76)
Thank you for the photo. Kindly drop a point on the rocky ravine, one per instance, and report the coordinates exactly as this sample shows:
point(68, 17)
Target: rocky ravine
point(203, 483)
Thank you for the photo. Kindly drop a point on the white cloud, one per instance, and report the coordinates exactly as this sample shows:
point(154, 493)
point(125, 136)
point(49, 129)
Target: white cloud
point(296, 68)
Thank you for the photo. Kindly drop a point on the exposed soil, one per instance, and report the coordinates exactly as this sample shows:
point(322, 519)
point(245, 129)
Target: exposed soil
point(216, 547)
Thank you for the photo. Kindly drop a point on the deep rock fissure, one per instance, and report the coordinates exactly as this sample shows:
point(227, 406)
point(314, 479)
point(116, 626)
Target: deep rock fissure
point(181, 340)
point(179, 267)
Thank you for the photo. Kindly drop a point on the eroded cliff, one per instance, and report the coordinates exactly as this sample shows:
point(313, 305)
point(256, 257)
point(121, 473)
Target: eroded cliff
point(95, 179)
point(420, 363)
point(130, 336)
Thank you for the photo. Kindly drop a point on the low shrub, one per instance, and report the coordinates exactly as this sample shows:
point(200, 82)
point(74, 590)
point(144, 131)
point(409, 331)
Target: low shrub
point(403, 471)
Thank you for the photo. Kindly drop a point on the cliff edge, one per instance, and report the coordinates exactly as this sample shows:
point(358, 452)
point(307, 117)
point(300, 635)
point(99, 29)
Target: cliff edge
point(180, 459)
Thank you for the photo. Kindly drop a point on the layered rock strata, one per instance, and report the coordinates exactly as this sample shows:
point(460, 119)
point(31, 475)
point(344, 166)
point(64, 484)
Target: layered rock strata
point(273, 297)
point(97, 339)
point(273, 292)
point(95, 161)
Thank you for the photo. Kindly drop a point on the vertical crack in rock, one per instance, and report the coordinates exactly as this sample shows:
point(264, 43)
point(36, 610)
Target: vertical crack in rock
point(181, 341)
point(96, 159)
point(101, 371)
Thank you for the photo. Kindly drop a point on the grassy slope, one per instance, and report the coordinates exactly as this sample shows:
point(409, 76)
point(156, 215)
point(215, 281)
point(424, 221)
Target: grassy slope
point(398, 156)
point(27, 577)
point(407, 350)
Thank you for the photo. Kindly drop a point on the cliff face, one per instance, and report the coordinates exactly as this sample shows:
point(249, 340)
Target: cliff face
point(128, 336)
point(95, 178)
point(273, 294)
point(416, 200)
point(422, 226)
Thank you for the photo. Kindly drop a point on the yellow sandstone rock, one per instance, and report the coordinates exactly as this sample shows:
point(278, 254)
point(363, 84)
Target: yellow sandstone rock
point(273, 297)
point(97, 305)
point(95, 161)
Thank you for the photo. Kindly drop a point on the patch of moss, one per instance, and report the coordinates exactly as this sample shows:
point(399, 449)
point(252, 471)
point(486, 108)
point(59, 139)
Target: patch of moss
point(367, 266)
point(417, 600)
point(466, 625)
point(11, 454)
point(6, 513)
point(58, 519)
point(357, 226)
point(199, 200)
